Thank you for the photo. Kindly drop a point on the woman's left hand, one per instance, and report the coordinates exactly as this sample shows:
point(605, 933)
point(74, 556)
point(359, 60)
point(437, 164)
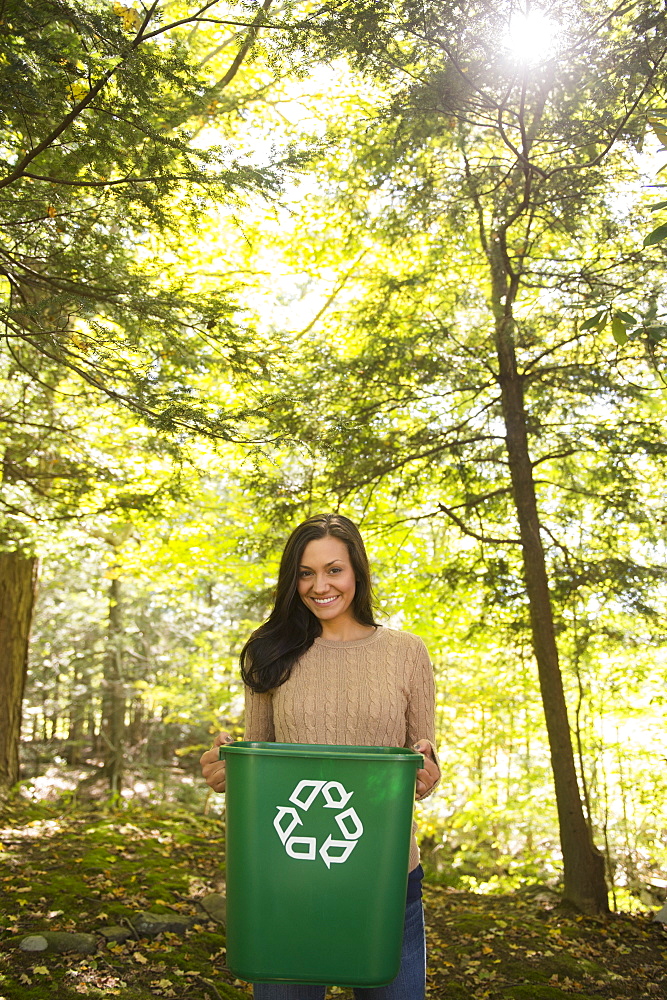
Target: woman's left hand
point(429, 773)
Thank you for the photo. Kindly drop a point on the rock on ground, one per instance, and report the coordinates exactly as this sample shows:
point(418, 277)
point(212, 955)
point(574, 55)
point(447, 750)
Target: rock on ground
point(215, 906)
point(60, 942)
point(151, 924)
point(34, 942)
point(115, 933)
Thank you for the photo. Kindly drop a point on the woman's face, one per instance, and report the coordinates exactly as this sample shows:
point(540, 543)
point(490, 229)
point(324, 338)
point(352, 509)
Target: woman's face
point(326, 582)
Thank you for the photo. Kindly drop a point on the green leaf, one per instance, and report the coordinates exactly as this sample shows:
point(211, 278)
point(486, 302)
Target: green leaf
point(658, 205)
point(656, 236)
point(659, 129)
point(627, 318)
point(618, 330)
point(594, 321)
point(656, 332)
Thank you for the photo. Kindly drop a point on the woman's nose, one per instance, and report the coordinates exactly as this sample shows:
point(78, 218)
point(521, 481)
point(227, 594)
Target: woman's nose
point(320, 585)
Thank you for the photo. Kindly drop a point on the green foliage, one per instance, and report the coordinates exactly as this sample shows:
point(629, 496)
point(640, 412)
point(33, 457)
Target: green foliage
point(104, 179)
point(340, 341)
point(393, 410)
point(656, 121)
point(99, 181)
point(183, 618)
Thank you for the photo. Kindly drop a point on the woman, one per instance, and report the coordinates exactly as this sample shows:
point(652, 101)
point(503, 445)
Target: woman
point(321, 670)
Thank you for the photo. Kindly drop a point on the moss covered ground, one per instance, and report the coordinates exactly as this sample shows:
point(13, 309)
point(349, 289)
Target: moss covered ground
point(528, 946)
point(67, 867)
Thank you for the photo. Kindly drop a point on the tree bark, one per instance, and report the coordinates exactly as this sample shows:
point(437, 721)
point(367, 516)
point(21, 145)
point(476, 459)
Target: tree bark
point(18, 575)
point(583, 864)
point(75, 721)
point(113, 702)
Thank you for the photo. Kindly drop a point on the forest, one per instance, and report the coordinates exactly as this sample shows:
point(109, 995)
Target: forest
point(398, 259)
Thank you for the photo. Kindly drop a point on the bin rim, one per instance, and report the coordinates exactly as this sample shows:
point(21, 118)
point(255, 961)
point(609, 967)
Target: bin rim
point(322, 750)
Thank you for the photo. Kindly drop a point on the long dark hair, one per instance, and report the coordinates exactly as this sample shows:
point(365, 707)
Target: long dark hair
point(272, 650)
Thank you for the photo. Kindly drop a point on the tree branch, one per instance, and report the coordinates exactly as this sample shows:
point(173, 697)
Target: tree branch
point(99, 184)
point(243, 51)
point(617, 131)
point(141, 36)
point(490, 539)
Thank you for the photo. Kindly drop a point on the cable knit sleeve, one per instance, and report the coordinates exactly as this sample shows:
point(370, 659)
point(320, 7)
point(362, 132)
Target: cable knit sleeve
point(259, 717)
point(420, 721)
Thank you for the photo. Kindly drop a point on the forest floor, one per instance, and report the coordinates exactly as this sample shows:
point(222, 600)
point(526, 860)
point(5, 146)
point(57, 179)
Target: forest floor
point(74, 868)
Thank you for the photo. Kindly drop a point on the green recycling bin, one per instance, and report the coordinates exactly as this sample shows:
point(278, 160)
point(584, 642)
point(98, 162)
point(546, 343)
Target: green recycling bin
point(318, 842)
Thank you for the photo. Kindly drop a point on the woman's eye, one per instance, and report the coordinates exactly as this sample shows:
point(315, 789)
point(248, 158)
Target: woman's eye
point(303, 573)
point(335, 569)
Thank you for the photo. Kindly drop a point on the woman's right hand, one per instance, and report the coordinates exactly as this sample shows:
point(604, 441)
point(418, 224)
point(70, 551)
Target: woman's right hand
point(212, 768)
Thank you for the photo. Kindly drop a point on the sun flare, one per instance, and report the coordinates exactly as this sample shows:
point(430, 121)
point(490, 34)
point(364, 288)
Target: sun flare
point(531, 37)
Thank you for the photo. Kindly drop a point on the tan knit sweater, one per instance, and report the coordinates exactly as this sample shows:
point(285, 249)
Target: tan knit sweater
point(375, 691)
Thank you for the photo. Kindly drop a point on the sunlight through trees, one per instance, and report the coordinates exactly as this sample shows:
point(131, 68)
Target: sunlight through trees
point(265, 260)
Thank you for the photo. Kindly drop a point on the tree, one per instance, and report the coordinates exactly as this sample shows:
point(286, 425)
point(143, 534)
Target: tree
point(138, 618)
point(98, 174)
point(16, 601)
point(480, 178)
point(657, 124)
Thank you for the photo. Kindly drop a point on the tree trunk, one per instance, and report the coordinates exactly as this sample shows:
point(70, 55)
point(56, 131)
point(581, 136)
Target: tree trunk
point(18, 574)
point(137, 727)
point(91, 728)
point(113, 703)
point(75, 719)
point(582, 863)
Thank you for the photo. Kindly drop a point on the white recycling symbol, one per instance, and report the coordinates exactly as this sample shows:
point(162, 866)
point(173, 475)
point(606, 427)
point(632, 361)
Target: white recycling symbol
point(288, 819)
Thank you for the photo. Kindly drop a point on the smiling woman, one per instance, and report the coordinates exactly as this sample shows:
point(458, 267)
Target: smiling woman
point(317, 554)
point(320, 670)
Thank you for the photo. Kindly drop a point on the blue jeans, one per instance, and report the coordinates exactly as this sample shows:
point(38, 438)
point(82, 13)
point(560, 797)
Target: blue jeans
point(410, 983)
